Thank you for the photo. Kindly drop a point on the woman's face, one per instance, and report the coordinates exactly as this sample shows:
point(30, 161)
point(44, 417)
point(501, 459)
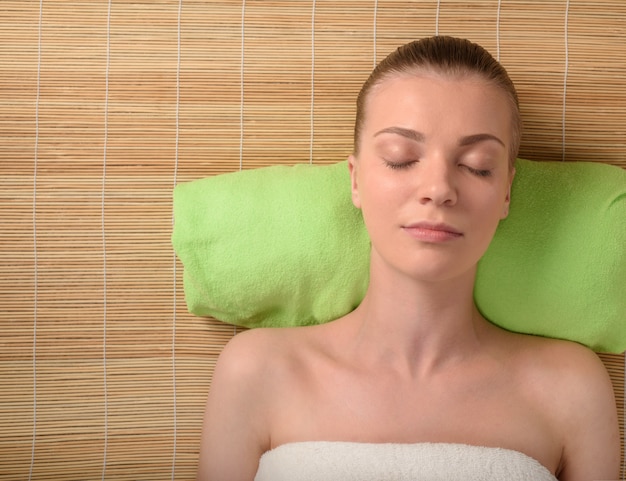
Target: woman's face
point(432, 175)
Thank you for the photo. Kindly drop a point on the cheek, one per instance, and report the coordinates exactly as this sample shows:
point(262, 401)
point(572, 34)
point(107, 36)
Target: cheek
point(491, 210)
point(379, 199)
point(384, 192)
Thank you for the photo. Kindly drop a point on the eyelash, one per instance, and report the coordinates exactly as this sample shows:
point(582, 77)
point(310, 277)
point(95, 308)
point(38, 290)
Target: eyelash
point(399, 165)
point(478, 172)
point(406, 165)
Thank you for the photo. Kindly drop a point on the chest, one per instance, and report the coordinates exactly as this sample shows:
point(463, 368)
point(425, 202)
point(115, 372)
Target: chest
point(485, 410)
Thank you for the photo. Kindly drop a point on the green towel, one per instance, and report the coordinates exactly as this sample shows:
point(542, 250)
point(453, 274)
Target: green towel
point(557, 265)
point(275, 246)
point(284, 246)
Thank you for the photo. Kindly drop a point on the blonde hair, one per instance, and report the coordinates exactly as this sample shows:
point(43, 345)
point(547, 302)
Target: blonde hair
point(448, 56)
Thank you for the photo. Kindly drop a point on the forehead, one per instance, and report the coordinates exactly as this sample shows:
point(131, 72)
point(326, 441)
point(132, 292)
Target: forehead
point(442, 77)
point(400, 88)
point(428, 101)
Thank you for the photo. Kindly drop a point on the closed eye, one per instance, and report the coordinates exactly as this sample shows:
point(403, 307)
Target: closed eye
point(478, 172)
point(400, 165)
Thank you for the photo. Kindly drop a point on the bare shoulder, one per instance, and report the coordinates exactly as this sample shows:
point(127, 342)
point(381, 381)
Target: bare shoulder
point(261, 351)
point(263, 361)
point(569, 375)
point(572, 383)
point(248, 379)
point(247, 352)
point(569, 369)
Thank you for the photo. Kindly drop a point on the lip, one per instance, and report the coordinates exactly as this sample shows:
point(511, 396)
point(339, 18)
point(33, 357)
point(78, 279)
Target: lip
point(432, 232)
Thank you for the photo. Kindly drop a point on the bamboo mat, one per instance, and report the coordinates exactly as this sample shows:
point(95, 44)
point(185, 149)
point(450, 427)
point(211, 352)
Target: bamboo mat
point(105, 106)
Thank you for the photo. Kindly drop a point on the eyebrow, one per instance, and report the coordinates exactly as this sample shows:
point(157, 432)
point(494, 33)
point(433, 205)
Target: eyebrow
point(408, 133)
point(420, 137)
point(476, 138)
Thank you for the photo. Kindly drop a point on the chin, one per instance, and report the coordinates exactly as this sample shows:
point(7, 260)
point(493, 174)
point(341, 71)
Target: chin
point(441, 273)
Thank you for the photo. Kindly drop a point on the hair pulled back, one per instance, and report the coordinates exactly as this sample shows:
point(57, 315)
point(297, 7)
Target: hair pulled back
point(448, 56)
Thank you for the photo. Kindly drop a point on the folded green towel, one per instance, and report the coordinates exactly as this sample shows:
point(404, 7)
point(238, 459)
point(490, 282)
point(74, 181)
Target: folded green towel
point(276, 246)
point(284, 246)
point(557, 265)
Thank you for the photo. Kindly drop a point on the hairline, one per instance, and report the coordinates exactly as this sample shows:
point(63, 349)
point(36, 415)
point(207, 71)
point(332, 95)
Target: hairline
point(453, 72)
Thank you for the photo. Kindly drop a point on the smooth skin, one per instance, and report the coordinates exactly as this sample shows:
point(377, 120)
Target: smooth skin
point(416, 362)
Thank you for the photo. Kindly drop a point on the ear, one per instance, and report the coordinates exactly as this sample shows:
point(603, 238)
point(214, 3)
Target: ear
point(353, 167)
point(507, 199)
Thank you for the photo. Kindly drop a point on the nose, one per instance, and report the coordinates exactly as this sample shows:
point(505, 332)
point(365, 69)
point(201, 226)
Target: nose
point(436, 183)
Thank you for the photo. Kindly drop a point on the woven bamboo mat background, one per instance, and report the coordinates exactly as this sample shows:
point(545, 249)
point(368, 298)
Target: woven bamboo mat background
point(106, 105)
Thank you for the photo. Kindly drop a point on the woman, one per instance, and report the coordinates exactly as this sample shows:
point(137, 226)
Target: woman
point(415, 383)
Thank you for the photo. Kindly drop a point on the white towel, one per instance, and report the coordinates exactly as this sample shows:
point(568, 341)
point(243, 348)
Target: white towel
point(347, 461)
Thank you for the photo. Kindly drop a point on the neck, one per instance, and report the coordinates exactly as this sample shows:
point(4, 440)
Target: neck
point(418, 324)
